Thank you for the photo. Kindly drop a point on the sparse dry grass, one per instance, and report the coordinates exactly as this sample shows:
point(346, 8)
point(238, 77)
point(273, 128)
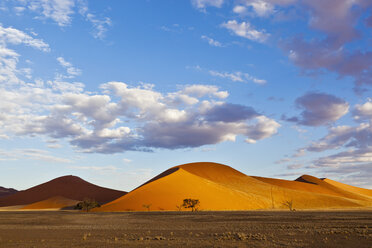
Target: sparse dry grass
point(186, 229)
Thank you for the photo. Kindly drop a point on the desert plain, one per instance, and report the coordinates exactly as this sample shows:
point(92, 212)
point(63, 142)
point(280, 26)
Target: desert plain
point(186, 229)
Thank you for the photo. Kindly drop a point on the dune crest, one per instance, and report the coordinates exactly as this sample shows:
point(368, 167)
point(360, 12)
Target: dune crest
point(357, 190)
point(220, 187)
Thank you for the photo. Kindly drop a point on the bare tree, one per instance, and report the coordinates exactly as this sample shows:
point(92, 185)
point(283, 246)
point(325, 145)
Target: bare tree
point(191, 203)
point(87, 204)
point(289, 205)
point(147, 206)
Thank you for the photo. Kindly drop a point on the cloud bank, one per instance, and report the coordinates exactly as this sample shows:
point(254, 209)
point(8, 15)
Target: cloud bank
point(319, 109)
point(119, 117)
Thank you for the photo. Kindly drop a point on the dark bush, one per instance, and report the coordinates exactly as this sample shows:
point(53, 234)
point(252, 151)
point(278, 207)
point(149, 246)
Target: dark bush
point(87, 205)
point(191, 203)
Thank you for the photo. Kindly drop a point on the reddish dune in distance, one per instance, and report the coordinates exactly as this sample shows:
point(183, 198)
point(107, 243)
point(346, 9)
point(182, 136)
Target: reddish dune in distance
point(6, 192)
point(56, 202)
point(70, 187)
point(220, 187)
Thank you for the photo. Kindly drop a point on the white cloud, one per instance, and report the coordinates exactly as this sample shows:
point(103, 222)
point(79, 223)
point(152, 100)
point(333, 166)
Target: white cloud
point(16, 37)
point(126, 160)
point(63, 62)
point(337, 137)
point(346, 158)
point(62, 12)
point(59, 11)
point(363, 111)
point(239, 9)
point(70, 69)
point(4, 136)
point(300, 153)
point(31, 154)
point(100, 25)
point(261, 8)
point(211, 41)
point(245, 30)
point(8, 66)
point(200, 90)
point(294, 166)
point(108, 168)
point(9, 72)
point(263, 127)
point(237, 76)
point(54, 146)
point(283, 160)
point(202, 4)
point(19, 9)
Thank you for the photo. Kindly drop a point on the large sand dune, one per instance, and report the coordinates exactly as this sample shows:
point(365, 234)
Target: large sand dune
point(70, 187)
point(220, 187)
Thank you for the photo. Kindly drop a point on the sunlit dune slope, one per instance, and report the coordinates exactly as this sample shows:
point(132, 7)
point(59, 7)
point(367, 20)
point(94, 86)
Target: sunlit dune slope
point(220, 187)
point(70, 187)
point(314, 185)
point(56, 202)
point(356, 190)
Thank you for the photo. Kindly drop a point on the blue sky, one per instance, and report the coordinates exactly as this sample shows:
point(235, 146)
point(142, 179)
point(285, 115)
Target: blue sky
point(118, 91)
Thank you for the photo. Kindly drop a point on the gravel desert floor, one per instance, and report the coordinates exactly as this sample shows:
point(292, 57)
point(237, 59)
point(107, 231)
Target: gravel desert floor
point(187, 229)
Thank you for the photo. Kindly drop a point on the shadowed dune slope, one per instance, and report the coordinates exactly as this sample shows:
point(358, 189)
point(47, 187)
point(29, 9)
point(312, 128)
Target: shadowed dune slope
point(70, 187)
point(220, 187)
point(6, 191)
point(56, 202)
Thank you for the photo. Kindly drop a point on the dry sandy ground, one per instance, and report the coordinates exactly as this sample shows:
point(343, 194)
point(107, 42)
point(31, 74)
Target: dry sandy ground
point(187, 229)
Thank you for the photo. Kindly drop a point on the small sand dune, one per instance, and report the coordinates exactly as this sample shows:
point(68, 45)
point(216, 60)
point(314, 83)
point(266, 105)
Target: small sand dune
point(312, 184)
point(56, 202)
point(220, 187)
point(11, 208)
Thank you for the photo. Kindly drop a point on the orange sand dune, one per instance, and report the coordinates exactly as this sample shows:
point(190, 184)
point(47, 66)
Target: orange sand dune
point(356, 190)
point(220, 187)
point(315, 185)
point(70, 187)
point(56, 202)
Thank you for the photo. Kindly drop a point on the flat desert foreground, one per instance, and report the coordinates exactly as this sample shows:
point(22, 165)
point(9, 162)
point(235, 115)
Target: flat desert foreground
point(187, 229)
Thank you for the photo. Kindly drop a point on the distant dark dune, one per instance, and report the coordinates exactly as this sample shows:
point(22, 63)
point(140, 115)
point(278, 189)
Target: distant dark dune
point(6, 192)
point(70, 187)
